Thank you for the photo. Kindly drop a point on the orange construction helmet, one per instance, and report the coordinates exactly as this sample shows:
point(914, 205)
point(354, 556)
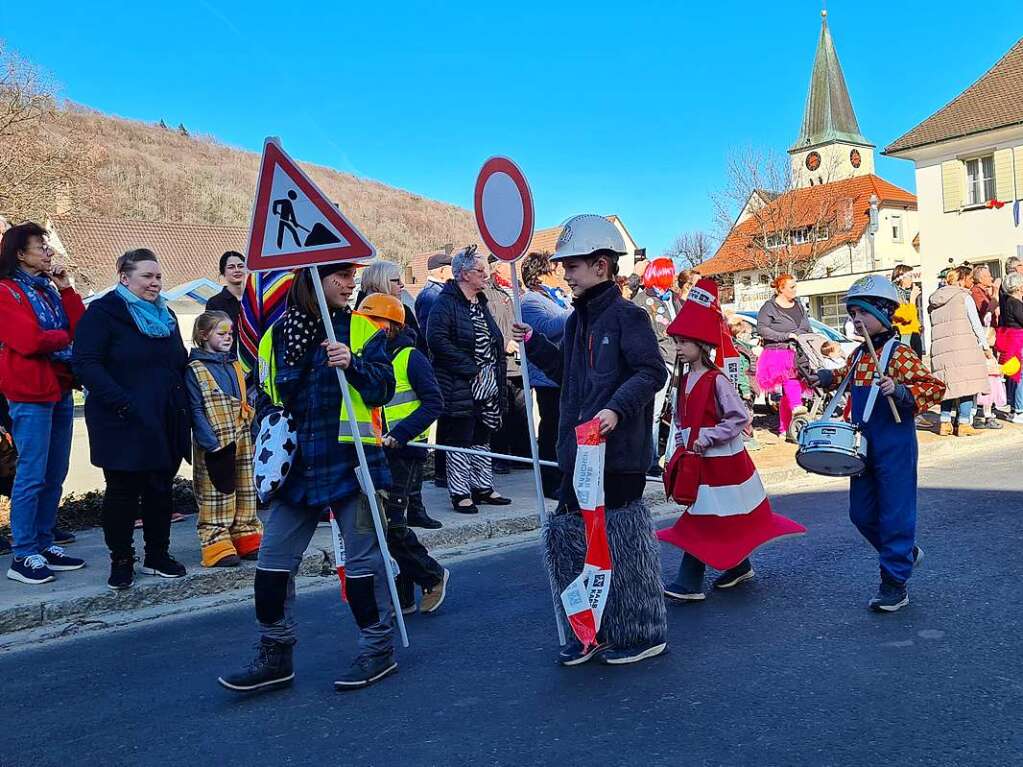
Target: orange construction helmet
point(383, 307)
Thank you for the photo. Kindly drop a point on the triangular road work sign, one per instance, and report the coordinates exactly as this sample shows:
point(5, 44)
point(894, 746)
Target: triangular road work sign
point(293, 222)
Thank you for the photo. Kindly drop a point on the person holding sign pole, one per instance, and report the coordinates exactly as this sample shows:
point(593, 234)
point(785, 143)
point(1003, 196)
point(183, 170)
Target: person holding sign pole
point(609, 368)
point(324, 474)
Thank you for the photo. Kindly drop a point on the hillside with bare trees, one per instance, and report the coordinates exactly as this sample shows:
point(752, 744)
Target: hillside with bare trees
point(70, 160)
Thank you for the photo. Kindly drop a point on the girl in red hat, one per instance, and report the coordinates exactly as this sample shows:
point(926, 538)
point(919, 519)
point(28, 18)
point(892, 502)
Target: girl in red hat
point(727, 514)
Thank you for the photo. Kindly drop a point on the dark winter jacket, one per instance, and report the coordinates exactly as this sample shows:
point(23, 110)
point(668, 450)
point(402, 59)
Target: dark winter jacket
point(450, 336)
point(225, 302)
point(774, 324)
point(136, 408)
point(221, 367)
point(425, 301)
point(608, 359)
point(324, 468)
point(424, 384)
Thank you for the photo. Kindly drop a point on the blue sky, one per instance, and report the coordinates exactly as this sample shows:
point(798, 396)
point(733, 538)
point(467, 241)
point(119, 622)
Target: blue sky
point(627, 108)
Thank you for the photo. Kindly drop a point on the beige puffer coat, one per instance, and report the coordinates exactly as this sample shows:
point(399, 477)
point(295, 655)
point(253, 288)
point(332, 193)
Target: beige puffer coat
point(957, 357)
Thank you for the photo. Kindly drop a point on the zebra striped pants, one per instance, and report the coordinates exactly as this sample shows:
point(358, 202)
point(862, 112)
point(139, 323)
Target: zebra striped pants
point(466, 473)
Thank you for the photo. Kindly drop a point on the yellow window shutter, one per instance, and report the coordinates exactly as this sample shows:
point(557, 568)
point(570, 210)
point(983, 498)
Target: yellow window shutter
point(1019, 172)
point(1003, 175)
point(952, 185)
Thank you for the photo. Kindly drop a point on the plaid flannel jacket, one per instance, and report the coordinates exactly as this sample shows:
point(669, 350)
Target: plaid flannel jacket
point(905, 368)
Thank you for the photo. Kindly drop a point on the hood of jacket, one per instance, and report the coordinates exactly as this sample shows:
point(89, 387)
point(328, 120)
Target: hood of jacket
point(451, 289)
point(221, 358)
point(943, 295)
point(406, 337)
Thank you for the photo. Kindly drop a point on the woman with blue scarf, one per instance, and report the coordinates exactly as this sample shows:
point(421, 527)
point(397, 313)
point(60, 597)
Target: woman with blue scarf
point(131, 360)
point(40, 312)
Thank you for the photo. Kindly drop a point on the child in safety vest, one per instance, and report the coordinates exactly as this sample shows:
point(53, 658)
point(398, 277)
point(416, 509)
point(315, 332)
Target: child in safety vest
point(727, 514)
point(228, 528)
point(882, 500)
point(416, 404)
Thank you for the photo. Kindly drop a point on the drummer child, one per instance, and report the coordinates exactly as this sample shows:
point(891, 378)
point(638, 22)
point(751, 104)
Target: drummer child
point(882, 500)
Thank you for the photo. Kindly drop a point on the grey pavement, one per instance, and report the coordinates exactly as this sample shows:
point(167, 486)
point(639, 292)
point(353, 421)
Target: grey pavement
point(789, 669)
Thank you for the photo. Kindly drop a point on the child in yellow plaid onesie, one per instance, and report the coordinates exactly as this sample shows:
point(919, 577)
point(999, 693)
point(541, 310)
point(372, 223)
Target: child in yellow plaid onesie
point(222, 446)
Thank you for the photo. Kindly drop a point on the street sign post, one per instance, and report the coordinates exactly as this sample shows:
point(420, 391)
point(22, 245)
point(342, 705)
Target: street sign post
point(504, 216)
point(287, 202)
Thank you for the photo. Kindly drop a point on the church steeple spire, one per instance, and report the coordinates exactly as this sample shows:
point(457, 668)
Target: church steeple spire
point(829, 115)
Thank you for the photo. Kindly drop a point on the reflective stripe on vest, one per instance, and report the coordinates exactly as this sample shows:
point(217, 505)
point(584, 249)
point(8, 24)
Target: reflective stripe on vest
point(370, 420)
point(267, 374)
point(405, 401)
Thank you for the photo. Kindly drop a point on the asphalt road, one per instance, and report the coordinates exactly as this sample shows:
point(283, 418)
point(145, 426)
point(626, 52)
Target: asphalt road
point(789, 670)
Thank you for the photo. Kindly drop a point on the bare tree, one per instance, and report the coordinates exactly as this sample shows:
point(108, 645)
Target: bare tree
point(779, 229)
point(42, 170)
point(691, 248)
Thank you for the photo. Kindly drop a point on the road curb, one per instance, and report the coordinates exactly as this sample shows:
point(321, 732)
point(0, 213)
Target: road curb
point(151, 591)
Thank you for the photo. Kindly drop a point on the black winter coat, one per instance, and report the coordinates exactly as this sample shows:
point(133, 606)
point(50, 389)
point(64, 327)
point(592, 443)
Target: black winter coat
point(450, 336)
point(608, 359)
point(136, 407)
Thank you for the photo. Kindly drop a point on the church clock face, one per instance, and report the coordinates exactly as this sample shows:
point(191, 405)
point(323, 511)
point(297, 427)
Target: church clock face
point(813, 161)
point(854, 158)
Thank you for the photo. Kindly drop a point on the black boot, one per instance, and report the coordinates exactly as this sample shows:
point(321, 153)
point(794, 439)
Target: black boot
point(271, 669)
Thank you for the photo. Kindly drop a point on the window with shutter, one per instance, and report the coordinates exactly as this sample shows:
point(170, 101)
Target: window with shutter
point(1003, 175)
point(952, 185)
point(1018, 152)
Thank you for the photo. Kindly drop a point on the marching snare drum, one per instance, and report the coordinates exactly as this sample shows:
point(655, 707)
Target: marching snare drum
point(832, 448)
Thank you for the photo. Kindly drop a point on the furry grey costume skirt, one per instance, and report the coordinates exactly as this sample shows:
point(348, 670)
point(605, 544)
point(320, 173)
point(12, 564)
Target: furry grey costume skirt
point(635, 612)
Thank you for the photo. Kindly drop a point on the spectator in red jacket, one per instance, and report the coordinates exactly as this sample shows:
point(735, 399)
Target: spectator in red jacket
point(40, 311)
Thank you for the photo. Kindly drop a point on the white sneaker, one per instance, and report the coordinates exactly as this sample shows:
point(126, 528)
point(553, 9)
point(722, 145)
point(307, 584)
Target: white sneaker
point(1017, 417)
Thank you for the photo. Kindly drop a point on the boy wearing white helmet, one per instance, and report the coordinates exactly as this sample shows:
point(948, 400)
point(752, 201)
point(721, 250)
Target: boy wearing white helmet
point(882, 500)
point(609, 368)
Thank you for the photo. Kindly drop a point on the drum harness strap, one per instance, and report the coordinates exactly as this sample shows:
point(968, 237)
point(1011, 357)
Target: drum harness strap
point(886, 355)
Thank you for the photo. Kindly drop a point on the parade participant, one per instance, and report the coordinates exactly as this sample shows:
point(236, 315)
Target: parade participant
point(882, 500)
point(609, 368)
point(1009, 341)
point(301, 378)
point(728, 514)
point(40, 311)
point(228, 528)
point(417, 403)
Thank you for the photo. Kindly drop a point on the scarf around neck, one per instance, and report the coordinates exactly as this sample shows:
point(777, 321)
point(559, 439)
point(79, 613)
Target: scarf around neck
point(152, 318)
point(46, 305)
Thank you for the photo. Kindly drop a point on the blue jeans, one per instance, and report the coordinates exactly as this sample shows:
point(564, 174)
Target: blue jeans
point(965, 406)
point(42, 434)
point(1015, 395)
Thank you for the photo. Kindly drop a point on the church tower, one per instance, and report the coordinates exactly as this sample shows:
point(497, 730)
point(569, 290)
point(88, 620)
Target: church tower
point(830, 146)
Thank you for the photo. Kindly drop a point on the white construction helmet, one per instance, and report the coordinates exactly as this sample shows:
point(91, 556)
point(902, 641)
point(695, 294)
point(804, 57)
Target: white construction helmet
point(874, 286)
point(587, 234)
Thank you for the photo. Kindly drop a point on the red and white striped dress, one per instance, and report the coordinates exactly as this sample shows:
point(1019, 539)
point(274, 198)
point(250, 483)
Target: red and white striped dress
point(732, 515)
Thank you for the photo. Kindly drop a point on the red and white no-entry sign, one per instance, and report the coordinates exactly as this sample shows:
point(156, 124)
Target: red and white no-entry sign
point(504, 208)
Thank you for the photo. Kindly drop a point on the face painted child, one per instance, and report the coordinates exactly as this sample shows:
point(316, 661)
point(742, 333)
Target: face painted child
point(220, 338)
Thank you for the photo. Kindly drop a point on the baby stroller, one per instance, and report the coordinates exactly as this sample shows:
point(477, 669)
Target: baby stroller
point(809, 359)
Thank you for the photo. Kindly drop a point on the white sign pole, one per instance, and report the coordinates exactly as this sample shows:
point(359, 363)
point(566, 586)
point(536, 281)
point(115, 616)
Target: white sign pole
point(361, 470)
point(541, 506)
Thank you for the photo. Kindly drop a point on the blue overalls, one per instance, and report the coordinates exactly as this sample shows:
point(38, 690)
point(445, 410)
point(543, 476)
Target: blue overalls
point(882, 500)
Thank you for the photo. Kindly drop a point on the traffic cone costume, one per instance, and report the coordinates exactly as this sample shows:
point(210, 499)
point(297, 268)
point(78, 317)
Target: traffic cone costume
point(731, 515)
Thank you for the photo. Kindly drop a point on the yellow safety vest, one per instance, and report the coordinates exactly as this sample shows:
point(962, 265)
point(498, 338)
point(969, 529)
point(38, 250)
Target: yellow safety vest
point(405, 401)
point(370, 420)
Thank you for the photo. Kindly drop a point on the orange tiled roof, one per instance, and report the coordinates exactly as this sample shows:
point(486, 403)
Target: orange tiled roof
point(186, 251)
point(994, 101)
point(803, 207)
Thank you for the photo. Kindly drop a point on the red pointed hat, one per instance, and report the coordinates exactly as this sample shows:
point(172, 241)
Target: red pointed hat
point(699, 319)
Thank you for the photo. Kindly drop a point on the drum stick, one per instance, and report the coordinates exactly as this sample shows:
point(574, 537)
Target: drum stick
point(878, 372)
